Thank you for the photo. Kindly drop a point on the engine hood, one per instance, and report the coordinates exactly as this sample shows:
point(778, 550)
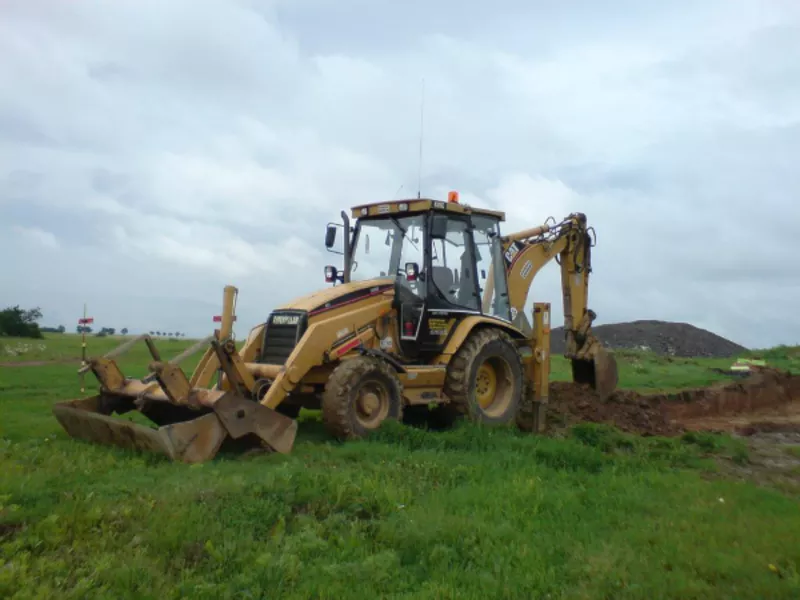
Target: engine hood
point(334, 296)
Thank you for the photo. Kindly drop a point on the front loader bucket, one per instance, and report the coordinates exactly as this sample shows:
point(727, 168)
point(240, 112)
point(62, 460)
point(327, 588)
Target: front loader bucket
point(599, 371)
point(193, 422)
point(194, 440)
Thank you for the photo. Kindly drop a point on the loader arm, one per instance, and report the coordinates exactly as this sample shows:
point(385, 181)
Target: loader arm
point(322, 342)
point(569, 243)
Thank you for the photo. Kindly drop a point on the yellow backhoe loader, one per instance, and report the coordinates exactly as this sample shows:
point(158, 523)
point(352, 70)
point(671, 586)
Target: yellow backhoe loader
point(425, 317)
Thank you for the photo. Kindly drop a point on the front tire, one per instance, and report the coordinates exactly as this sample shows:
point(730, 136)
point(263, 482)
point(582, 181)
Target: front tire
point(361, 393)
point(485, 379)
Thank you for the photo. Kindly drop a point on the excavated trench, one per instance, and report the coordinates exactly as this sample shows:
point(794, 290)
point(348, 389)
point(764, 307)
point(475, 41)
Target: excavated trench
point(767, 400)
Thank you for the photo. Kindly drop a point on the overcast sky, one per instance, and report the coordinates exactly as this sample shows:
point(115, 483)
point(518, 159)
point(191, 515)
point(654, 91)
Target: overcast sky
point(152, 152)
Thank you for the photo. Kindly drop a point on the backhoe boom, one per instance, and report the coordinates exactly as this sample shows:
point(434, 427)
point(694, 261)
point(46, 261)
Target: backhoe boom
point(570, 243)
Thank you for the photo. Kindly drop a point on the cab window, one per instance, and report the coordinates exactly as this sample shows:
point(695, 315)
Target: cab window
point(451, 261)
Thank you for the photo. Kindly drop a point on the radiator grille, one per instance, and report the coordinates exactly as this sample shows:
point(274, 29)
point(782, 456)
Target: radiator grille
point(284, 329)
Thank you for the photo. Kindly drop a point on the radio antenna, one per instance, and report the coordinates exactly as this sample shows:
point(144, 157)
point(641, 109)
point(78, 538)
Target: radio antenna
point(421, 122)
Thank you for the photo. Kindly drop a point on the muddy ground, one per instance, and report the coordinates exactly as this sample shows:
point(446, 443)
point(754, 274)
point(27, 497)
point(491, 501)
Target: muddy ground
point(762, 409)
point(767, 398)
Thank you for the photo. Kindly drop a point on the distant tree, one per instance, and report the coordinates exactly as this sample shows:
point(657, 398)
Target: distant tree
point(84, 329)
point(124, 331)
point(59, 329)
point(152, 333)
point(17, 322)
point(158, 333)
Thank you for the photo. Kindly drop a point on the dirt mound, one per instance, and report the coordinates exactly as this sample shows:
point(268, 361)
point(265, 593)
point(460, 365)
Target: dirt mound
point(572, 403)
point(767, 398)
point(662, 337)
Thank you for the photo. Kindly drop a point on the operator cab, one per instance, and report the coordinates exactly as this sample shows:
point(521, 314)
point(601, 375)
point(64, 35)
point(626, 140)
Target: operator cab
point(444, 259)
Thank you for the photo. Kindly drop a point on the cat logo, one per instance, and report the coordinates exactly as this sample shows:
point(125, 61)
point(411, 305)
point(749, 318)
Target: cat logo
point(512, 252)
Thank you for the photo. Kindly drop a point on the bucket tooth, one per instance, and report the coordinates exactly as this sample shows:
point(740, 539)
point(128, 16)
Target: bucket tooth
point(173, 381)
point(107, 372)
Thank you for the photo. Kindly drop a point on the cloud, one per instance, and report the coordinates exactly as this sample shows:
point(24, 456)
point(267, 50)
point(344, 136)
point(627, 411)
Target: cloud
point(151, 153)
point(37, 237)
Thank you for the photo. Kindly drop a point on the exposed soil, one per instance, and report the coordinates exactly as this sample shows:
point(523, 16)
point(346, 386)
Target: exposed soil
point(661, 337)
point(571, 403)
point(767, 399)
point(763, 409)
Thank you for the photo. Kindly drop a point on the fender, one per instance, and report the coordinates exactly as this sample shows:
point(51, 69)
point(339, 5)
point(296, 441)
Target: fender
point(467, 326)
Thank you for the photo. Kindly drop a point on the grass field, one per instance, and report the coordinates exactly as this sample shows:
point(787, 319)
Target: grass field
point(468, 513)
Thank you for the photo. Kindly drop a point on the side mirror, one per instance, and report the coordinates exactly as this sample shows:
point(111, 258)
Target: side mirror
point(330, 236)
point(412, 271)
point(438, 227)
point(331, 274)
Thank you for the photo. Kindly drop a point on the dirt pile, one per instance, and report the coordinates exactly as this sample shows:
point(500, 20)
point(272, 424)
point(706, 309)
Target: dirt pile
point(571, 403)
point(661, 337)
point(767, 398)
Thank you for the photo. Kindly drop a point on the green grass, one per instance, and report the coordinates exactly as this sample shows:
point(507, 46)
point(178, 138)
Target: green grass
point(468, 513)
point(67, 347)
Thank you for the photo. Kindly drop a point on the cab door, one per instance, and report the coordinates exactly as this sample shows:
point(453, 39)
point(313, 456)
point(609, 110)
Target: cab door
point(452, 288)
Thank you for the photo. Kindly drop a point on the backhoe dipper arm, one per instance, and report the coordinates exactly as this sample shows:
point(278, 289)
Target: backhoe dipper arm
point(570, 243)
point(526, 252)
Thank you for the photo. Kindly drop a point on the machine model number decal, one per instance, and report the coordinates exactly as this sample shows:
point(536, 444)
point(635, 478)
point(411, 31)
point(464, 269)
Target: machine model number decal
point(526, 270)
point(387, 343)
point(285, 319)
point(513, 313)
point(438, 326)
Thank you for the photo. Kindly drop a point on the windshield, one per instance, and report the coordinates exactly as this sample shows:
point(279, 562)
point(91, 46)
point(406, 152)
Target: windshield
point(383, 247)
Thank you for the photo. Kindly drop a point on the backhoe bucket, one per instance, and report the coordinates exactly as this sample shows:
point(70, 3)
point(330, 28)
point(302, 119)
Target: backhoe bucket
point(599, 371)
point(605, 373)
point(184, 434)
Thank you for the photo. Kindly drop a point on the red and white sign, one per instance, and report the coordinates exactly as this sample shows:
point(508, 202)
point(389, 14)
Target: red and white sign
point(218, 318)
point(85, 320)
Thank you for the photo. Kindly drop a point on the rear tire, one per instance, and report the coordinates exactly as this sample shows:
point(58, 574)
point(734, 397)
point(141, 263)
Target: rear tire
point(360, 395)
point(484, 378)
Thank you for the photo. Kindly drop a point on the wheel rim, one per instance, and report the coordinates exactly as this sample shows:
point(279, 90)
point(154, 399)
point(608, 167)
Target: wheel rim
point(371, 403)
point(493, 386)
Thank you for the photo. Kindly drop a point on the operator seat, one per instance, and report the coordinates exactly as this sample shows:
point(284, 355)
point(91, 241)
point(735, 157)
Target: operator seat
point(443, 280)
point(467, 289)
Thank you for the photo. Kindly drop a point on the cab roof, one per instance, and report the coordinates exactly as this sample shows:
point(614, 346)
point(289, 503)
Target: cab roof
point(418, 205)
